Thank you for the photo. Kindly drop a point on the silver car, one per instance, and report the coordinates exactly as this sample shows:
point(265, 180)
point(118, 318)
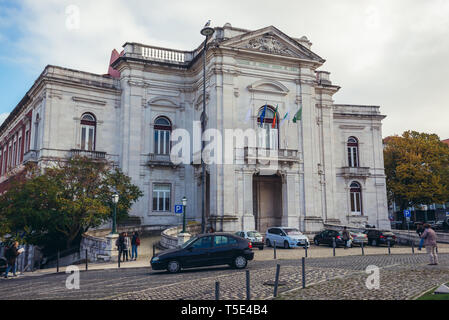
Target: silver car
point(255, 237)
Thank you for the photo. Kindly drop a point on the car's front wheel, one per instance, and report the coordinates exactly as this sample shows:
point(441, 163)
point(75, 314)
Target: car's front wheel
point(286, 245)
point(317, 243)
point(268, 242)
point(261, 248)
point(240, 262)
point(173, 266)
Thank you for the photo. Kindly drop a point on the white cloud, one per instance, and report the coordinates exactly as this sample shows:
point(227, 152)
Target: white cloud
point(3, 117)
point(383, 52)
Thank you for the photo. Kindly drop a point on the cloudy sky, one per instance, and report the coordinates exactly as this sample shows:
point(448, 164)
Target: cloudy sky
point(388, 53)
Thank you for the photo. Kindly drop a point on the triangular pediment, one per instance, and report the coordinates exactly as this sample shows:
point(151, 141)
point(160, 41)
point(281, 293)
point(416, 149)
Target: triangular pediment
point(272, 41)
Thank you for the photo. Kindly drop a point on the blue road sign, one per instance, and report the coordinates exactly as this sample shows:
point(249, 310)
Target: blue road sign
point(407, 213)
point(178, 209)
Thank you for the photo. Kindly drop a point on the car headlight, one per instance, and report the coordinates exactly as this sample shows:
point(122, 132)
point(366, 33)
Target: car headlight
point(155, 259)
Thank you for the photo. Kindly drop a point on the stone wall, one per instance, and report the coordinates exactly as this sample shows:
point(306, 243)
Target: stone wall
point(169, 239)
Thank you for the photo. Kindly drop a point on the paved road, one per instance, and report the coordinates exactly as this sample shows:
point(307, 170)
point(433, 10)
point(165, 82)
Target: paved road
point(199, 284)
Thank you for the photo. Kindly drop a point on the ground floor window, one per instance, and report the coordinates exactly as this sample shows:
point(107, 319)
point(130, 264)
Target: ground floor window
point(161, 197)
point(356, 198)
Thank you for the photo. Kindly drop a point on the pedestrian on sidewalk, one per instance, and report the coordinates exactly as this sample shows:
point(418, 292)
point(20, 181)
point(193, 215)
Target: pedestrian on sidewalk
point(346, 237)
point(135, 242)
point(120, 243)
point(430, 242)
point(11, 255)
point(127, 246)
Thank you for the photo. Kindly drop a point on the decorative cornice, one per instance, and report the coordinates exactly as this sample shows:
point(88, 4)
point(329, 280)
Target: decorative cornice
point(88, 100)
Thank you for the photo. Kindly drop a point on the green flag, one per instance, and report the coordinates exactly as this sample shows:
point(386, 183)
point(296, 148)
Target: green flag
point(298, 115)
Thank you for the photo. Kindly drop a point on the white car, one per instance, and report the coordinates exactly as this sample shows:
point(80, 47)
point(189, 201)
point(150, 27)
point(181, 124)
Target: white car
point(254, 236)
point(286, 237)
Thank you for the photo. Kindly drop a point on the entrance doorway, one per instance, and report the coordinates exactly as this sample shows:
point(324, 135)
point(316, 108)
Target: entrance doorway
point(267, 201)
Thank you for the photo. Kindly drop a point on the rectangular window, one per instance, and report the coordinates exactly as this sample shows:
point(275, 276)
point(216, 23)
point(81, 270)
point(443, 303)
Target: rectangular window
point(19, 150)
point(27, 141)
point(162, 142)
point(161, 197)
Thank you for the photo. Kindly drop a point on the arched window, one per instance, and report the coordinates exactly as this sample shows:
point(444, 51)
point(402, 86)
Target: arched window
point(268, 123)
point(88, 132)
point(353, 152)
point(356, 198)
point(162, 133)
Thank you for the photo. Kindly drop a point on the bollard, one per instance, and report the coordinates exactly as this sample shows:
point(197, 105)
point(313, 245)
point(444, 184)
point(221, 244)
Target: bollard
point(274, 249)
point(57, 263)
point(303, 273)
point(276, 280)
point(363, 250)
point(119, 254)
point(87, 260)
point(217, 290)
point(436, 250)
point(306, 247)
point(389, 247)
point(413, 247)
point(248, 286)
point(334, 245)
point(154, 249)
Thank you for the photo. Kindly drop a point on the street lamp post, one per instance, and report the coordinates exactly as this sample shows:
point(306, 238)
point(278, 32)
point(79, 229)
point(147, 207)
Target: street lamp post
point(184, 204)
point(115, 198)
point(207, 31)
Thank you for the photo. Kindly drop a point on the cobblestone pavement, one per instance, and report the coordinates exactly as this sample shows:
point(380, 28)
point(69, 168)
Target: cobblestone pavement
point(396, 283)
point(199, 284)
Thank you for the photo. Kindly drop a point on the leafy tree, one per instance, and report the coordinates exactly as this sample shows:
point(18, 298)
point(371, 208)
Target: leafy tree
point(417, 169)
point(54, 206)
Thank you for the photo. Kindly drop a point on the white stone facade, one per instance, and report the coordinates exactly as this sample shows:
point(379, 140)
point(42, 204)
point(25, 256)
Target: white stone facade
point(245, 71)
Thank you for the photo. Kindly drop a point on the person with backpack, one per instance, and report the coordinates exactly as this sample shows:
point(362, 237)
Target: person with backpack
point(11, 255)
point(135, 242)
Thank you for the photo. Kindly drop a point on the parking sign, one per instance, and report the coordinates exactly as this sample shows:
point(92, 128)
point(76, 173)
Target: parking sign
point(178, 209)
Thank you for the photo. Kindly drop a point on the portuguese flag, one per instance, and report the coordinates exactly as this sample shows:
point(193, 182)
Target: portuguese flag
point(298, 115)
point(275, 118)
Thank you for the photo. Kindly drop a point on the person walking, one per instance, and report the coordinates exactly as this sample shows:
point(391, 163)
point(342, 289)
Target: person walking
point(420, 230)
point(346, 236)
point(135, 242)
point(120, 245)
point(11, 255)
point(126, 247)
point(430, 242)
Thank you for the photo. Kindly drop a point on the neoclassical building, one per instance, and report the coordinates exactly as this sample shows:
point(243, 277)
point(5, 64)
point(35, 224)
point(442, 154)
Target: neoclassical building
point(329, 164)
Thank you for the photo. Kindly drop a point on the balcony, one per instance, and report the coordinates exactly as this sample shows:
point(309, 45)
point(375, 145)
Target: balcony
point(160, 160)
point(95, 155)
point(31, 156)
point(262, 155)
point(355, 172)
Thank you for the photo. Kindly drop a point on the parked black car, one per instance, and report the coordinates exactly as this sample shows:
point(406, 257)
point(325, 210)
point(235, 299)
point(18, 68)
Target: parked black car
point(378, 237)
point(327, 236)
point(206, 250)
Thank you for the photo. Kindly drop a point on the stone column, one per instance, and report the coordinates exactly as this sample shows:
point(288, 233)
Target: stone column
point(248, 219)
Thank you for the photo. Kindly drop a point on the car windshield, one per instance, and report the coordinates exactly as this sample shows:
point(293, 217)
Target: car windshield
point(293, 232)
point(185, 245)
point(254, 234)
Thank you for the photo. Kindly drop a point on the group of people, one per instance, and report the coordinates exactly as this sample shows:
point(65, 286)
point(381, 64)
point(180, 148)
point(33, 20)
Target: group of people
point(11, 255)
point(127, 247)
